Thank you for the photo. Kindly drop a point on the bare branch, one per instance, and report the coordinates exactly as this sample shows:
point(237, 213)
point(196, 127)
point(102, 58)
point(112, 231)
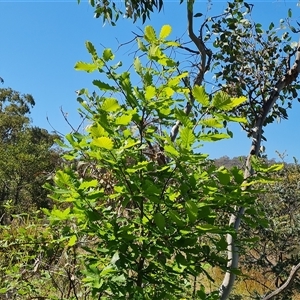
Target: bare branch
point(286, 285)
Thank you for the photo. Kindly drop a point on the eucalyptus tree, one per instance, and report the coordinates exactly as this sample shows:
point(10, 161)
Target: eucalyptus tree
point(27, 156)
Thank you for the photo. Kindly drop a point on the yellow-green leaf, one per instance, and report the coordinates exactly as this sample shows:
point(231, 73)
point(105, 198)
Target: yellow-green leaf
point(214, 137)
point(169, 92)
point(200, 95)
point(237, 101)
point(103, 142)
point(150, 34)
point(172, 44)
point(107, 55)
point(223, 101)
point(170, 149)
point(150, 92)
point(141, 45)
point(123, 120)
point(90, 47)
point(137, 65)
point(87, 67)
point(110, 104)
point(212, 122)
point(103, 86)
point(97, 130)
point(72, 241)
point(187, 137)
point(165, 31)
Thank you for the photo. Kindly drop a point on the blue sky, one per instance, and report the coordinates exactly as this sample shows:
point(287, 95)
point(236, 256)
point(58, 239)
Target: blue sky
point(42, 40)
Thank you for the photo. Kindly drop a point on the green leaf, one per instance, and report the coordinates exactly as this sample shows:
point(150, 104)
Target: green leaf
point(139, 166)
point(87, 67)
point(91, 49)
point(191, 210)
point(212, 122)
point(110, 105)
point(165, 31)
point(62, 178)
point(200, 95)
point(290, 13)
point(214, 137)
point(237, 101)
point(172, 44)
point(208, 228)
point(238, 175)
point(160, 221)
point(222, 101)
point(60, 214)
point(197, 15)
point(141, 45)
point(137, 66)
point(183, 118)
point(88, 184)
point(223, 175)
point(187, 137)
point(72, 240)
point(123, 120)
point(149, 34)
point(150, 92)
point(115, 258)
point(103, 86)
point(176, 218)
point(108, 55)
point(70, 139)
point(97, 130)
point(275, 168)
point(232, 118)
point(170, 149)
point(260, 166)
point(103, 142)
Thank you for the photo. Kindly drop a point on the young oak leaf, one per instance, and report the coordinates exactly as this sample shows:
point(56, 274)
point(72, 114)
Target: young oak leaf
point(103, 142)
point(165, 31)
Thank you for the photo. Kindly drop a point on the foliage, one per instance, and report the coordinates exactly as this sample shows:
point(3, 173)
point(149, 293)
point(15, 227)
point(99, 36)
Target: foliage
point(26, 154)
point(135, 9)
point(277, 250)
point(150, 205)
point(250, 60)
point(34, 263)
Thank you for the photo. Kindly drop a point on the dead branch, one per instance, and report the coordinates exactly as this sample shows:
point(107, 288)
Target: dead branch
point(286, 285)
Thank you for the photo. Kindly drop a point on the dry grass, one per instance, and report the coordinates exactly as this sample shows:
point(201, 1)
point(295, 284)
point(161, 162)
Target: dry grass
point(248, 284)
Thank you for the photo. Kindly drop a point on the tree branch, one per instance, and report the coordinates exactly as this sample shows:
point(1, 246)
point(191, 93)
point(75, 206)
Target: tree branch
point(286, 285)
point(204, 52)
